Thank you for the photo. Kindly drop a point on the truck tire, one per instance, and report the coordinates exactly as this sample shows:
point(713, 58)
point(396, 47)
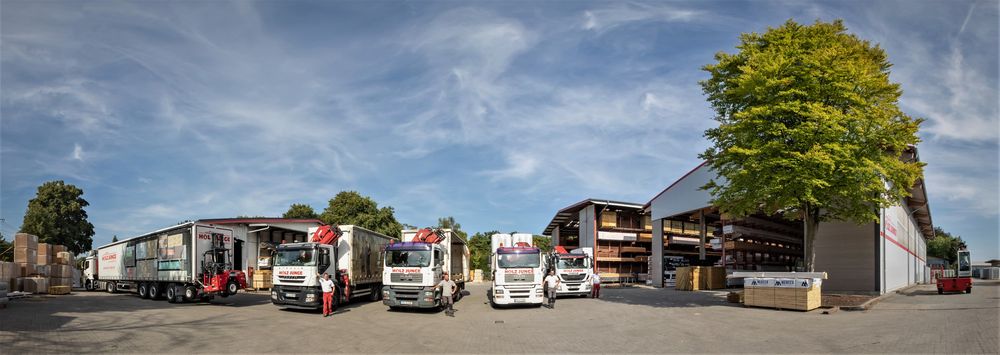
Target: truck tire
point(111, 287)
point(232, 287)
point(154, 290)
point(968, 290)
point(940, 291)
point(190, 293)
point(88, 285)
point(376, 292)
point(142, 290)
point(172, 293)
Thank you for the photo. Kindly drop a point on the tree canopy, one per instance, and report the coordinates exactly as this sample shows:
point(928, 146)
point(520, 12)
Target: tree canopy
point(6, 249)
point(449, 223)
point(944, 245)
point(57, 216)
point(351, 208)
point(479, 250)
point(300, 210)
point(809, 127)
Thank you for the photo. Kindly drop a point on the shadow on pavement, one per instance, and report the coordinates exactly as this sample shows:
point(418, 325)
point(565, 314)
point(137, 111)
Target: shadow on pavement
point(666, 297)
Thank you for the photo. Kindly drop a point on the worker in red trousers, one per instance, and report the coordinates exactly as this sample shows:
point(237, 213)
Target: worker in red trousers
point(595, 290)
point(328, 288)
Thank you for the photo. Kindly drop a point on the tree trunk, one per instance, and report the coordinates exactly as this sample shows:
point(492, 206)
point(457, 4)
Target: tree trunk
point(810, 224)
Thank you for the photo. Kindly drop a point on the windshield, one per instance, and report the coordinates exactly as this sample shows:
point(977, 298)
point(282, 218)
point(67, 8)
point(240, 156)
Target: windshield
point(411, 258)
point(573, 263)
point(963, 261)
point(294, 257)
point(518, 260)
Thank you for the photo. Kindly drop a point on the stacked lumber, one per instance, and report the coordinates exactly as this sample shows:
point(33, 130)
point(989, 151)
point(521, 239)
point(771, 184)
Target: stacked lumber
point(37, 266)
point(781, 293)
point(694, 278)
point(59, 290)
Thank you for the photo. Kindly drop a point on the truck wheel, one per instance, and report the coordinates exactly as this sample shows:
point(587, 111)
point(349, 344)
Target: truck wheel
point(232, 287)
point(968, 290)
point(111, 287)
point(190, 293)
point(143, 290)
point(940, 291)
point(88, 285)
point(154, 291)
point(172, 293)
point(376, 292)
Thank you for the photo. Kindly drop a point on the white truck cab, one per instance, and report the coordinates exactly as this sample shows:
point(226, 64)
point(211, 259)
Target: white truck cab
point(518, 271)
point(575, 270)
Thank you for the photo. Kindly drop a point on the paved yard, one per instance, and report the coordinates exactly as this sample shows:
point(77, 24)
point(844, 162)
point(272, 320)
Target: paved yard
point(634, 320)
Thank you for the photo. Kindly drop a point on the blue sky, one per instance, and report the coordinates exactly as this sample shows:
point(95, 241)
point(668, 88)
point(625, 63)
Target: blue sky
point(496, 113)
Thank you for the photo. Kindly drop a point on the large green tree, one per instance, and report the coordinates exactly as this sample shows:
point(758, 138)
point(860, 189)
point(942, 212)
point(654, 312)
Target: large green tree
point(56, 216)
point(809, 127)
point(300, 210)
point(351, 208)
point(479, 250)
point(944, 245)
point(542, 242)
point(449, 223)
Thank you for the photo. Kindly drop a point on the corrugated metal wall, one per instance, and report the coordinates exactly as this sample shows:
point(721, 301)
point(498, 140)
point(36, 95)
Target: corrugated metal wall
point(846, 252)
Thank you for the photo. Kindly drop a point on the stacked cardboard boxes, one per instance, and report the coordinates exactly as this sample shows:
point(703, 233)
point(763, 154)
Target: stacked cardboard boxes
point(262, 279)
point(37, 266)
point(794, 294)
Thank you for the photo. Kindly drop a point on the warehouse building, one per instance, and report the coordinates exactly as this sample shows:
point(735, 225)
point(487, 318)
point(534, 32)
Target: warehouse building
point(873, 257)
point(635, 242)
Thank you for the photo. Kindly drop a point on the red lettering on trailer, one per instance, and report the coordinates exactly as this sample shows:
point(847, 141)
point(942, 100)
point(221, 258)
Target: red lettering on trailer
point(519, 271)
point(107, 257)
point(205, 236)
point(405, 270)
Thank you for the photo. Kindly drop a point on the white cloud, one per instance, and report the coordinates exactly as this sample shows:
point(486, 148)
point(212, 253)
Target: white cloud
point(620, 14)
point(77, 152)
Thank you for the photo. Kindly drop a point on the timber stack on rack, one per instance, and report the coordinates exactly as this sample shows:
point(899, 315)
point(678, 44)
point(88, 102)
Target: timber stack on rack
point(39, 267)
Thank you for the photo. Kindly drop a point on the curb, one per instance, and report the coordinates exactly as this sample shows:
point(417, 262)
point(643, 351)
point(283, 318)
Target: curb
point(870, 303)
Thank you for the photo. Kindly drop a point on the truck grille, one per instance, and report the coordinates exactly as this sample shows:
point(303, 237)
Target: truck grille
point(408, 295)
point(406, 277)
point(574, 277)
point(292, 279)
point(519, 278)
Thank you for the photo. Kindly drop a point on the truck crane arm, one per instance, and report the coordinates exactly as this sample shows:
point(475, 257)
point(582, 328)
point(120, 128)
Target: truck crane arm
point(428, 235)
point(327, 234)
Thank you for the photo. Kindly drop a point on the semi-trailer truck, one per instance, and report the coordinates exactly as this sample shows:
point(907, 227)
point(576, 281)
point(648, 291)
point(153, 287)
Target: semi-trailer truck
point(187, 262)
point(350, 254)
point(518, 270)
point(574, 271)
point(413, 268)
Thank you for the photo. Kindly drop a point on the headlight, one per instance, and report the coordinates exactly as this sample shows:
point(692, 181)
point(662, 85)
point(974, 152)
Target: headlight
point(428, 293)
point(385, 293)
point(497, 291)
point(274, 294)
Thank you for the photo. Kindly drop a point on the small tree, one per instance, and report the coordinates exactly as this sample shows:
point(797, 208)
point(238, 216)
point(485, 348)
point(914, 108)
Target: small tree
point(479, 250)
point(299, 210)
point(449, 223)
point(809, 127)
point(6, 249)
point(56, 216)
point(944, 245)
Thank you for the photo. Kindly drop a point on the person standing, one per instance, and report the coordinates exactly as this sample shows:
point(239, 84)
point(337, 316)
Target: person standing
point(328, 287)
point(448, 289)
point(595, 290)
point(552, 282)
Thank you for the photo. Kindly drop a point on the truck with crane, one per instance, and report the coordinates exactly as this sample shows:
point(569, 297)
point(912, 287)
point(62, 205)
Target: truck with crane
point(963, 276)
point(352, 255)
point(413, 268)
point(518, 271)
point(186, 262)
point(574, 269)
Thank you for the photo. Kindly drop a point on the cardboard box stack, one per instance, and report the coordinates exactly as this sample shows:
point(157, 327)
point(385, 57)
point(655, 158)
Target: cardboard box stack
point(262, 279)
point(38, 266)
point(795, 294)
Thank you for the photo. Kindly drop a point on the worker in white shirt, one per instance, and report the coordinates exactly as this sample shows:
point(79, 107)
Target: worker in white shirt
point(595, 290)
point(328, 287)
point(552, 282)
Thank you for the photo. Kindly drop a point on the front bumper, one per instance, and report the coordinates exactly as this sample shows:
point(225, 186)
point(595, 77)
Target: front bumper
point(410, 297)
point(573, 288)
point(297, 297)
point(508, 295)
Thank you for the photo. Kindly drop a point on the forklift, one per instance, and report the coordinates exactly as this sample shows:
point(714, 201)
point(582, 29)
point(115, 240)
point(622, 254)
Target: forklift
point(963, 277)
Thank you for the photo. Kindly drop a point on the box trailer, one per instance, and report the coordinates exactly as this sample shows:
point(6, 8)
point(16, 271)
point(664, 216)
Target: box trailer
point(186, 262)
point(414, 268)
point(352, 257)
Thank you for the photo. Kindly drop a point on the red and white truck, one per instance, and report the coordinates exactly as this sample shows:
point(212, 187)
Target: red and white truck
point(186, 262)
point(350, 254)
